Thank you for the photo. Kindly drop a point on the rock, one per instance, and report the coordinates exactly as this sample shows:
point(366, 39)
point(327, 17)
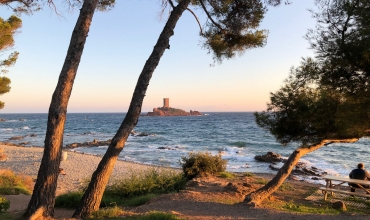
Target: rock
point(33, 135)
point(2, 120)
point(94, 143)
point(339, 205)
point(142, 134)
point(16, 138)
point(316, 178)
point(270, 157)
point(24, 143)
point(273, 168)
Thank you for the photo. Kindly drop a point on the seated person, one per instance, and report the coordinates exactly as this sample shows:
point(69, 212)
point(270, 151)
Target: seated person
point(361, 174)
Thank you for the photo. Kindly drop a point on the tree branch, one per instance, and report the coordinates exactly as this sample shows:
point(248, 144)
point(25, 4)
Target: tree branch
point(209, 16)
point(195, 16)
point(171, 3)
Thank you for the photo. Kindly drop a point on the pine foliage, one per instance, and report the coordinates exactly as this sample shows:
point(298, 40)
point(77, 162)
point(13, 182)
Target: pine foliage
point(327, 98)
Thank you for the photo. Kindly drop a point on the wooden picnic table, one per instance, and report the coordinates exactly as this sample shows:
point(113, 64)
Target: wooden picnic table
point(332, 186)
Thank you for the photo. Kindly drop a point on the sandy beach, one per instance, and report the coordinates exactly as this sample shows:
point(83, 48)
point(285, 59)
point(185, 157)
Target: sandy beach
point(78, 167)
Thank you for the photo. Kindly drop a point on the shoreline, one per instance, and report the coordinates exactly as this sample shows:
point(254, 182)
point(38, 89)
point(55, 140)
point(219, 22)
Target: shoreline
point(78, 167)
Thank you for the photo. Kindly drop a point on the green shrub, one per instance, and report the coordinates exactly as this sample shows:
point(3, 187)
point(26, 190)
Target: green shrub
point(11, 184)
point(4, 204)
point(201, 163)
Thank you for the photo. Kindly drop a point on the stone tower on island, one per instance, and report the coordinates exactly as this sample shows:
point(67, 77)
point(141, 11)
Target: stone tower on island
point(166, 102)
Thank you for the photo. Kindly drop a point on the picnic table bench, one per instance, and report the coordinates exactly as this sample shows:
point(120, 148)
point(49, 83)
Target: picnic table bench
point(332, 186)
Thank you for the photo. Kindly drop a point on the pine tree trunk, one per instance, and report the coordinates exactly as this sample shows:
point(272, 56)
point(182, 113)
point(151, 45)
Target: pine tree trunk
point(93, 195)
point(43, 196)
point(255, 198)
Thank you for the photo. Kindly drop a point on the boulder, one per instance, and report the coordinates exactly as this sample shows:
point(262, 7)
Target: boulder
point(339, 205)
point(270, 157)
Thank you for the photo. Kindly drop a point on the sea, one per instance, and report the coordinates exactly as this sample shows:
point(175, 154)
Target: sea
point(165, 140)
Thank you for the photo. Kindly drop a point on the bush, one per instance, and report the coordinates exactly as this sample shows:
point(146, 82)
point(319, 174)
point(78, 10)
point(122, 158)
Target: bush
point(11, 184)
point(201, 163)
point(4, 204)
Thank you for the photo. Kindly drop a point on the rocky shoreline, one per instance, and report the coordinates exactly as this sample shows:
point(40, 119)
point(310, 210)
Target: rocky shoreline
point(301, 169)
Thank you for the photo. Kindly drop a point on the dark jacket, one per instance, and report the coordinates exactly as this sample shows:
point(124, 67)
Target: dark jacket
point(359, 174)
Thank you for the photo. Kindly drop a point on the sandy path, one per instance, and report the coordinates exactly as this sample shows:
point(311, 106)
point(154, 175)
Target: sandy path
point(78, 167)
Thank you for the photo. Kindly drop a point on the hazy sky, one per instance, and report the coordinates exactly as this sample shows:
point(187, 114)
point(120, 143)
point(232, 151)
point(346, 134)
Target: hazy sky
point(121, 40)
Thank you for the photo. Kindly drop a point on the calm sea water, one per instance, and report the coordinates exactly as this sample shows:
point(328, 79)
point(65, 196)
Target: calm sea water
point(234, 135)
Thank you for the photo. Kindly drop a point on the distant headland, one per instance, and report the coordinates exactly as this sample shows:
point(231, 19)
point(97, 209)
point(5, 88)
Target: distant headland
point(166, 110)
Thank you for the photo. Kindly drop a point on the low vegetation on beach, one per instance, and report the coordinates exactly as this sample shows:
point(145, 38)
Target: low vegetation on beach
point(12, 184)
point(134, 190)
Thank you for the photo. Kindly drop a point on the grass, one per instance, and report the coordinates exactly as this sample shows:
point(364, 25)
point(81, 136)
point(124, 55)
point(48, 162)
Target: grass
point(310, 210)
point(11, 184)
point(226, 175)
point(286, 186)
point(261, 181)
point(248, 174)
point(134, 190)
point(109, 212)
point(118, 213)
point(153, 180)
point(154, 215)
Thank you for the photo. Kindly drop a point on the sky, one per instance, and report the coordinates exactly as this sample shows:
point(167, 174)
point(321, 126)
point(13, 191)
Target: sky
point(121, 40)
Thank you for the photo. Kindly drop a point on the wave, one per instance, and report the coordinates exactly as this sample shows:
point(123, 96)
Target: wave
point(26, 128)
point(7, 129)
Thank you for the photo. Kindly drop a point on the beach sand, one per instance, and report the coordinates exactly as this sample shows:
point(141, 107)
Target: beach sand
point(78, 167)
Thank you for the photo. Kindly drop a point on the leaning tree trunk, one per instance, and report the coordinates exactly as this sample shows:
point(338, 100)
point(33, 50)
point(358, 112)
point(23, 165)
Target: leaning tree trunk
point(93, 195)
point(255, 198)
point(43, 196)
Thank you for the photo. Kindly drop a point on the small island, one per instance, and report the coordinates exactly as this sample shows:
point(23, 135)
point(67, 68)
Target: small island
point(166, 110)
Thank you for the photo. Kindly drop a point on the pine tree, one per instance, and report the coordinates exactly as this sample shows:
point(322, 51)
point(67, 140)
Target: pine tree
point(8, 29)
